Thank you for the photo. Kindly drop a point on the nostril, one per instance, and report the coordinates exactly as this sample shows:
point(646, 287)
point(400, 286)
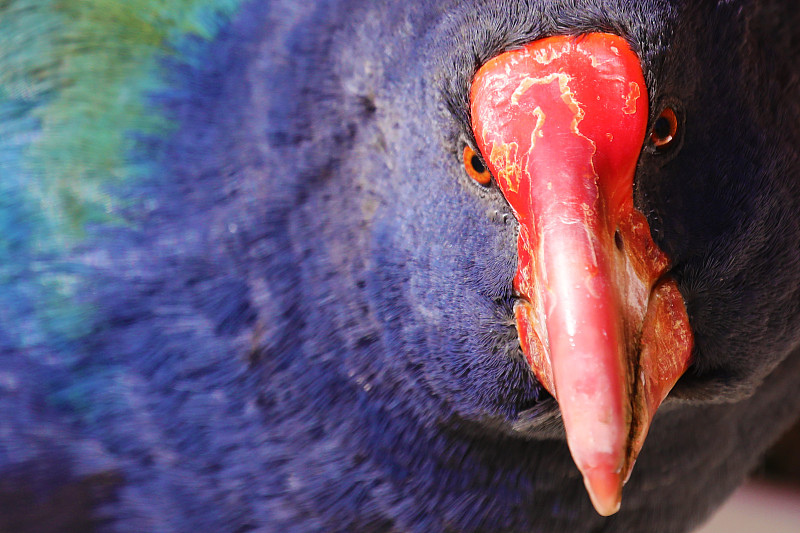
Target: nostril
point(618, 240)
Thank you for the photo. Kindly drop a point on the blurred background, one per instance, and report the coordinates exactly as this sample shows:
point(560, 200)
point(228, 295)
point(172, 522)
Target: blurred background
point(770, 501)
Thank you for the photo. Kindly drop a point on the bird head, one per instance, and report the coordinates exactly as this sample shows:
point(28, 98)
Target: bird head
point(543, 211)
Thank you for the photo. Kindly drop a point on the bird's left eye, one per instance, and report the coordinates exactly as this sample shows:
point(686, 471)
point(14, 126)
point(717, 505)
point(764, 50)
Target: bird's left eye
point(475, 167)
point(665, 129)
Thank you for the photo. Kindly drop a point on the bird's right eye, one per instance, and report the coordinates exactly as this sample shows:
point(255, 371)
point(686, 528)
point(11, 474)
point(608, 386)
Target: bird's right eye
point(665, 129)
point(475, 167)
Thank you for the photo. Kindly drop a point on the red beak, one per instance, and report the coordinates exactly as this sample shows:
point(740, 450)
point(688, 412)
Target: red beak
point(561, 123)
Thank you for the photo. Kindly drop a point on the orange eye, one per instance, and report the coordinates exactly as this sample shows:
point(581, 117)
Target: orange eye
point(665, 129)
point(475, 167)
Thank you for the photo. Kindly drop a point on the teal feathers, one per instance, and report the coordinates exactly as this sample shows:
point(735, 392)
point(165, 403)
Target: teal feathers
point(88, 67)
point(76, 81)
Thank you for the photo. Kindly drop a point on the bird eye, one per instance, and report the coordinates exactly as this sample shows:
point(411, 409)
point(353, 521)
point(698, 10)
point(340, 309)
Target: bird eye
point(665, 129)
point(475, 167)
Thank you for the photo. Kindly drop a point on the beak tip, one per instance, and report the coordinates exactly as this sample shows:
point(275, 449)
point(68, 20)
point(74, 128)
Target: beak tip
point(605, 490)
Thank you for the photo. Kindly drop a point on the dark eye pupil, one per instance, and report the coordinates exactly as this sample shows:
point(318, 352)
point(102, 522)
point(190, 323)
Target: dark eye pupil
point(662, 128)
point(477, 164)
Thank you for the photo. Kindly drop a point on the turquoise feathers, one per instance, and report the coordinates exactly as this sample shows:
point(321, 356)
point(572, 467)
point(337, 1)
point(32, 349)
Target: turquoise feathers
point(77, 78)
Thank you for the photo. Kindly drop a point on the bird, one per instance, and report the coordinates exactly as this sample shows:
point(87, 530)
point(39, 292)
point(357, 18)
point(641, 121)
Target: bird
point(387, 266)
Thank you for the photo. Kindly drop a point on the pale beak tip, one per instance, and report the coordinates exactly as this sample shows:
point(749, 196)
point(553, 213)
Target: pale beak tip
point(605, 490)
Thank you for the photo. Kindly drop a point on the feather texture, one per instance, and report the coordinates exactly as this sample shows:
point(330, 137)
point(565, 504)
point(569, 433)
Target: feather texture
point(245, 283)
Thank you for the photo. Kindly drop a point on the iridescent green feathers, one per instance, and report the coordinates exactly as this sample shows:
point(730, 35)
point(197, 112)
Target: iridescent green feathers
point(83, 71)
point(76, 81)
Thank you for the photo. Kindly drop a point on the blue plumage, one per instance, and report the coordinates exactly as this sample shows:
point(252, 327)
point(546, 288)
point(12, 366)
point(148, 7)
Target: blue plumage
point(246, 285)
